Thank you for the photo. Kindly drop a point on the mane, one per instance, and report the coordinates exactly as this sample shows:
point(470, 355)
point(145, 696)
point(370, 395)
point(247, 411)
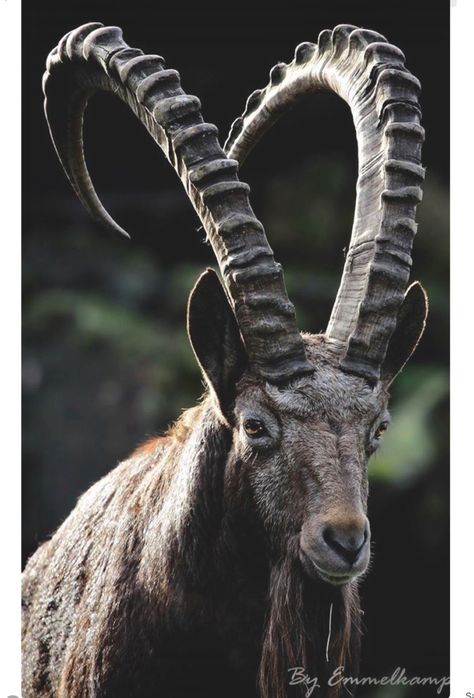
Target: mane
point(297, 631)
point(205, 549)
point(178, 430)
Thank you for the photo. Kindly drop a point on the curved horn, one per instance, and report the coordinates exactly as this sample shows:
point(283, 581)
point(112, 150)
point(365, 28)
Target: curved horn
point(370, 75)
point(93, 58)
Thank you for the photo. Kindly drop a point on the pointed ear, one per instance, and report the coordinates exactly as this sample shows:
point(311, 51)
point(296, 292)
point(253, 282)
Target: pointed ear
point(410, 327)
point(215, 338)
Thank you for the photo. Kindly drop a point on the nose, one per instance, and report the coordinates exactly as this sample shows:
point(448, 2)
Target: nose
point(347, 542)
point(335, 545)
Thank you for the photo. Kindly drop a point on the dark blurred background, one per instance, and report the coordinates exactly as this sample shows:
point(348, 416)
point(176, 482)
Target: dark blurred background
point(106, 359)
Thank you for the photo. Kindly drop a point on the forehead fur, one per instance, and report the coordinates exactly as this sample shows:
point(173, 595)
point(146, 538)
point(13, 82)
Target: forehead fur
point(329, 391)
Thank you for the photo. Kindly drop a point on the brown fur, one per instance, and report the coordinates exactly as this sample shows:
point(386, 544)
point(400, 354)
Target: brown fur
point(180, 571)
point(228, 542)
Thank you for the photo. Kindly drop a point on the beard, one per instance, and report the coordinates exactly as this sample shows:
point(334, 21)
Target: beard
point(311, 625)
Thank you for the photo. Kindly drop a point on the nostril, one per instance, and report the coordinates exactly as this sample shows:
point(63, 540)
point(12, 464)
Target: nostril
point(328, 537)
point(347, 544)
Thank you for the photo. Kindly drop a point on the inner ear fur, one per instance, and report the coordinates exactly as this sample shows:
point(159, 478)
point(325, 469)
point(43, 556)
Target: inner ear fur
point(411, 324)
point(215, 338)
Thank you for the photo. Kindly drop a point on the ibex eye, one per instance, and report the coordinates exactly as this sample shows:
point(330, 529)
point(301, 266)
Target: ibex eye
point(254, 428)
point(381, 429)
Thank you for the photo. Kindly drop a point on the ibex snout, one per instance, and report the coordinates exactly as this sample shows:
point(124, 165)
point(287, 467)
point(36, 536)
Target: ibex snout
point(336, 548)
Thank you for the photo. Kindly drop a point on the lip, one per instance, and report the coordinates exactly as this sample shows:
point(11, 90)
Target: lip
point(330, 577)
point(334, 579)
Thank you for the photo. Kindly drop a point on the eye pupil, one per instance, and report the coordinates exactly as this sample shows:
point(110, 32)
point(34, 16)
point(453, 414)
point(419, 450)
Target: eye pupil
point(381, 430)
point(253, 427)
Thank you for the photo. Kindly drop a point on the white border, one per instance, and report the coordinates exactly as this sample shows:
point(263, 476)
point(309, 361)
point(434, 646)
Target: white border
point(10, 343)
point(462, 310)
point(462, 256)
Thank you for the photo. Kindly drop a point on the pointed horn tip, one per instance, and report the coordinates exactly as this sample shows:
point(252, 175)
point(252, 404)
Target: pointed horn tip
point(104, 220)
point(116, 228)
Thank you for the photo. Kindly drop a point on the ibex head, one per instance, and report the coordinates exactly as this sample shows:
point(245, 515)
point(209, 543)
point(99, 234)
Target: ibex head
point(305, 411)
point(302, 449)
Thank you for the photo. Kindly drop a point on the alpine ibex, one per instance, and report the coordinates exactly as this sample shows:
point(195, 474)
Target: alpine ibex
point(228, 551)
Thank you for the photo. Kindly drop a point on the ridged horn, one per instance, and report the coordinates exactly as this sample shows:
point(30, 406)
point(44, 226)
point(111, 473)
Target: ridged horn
point(95, 58)
point(370, 75)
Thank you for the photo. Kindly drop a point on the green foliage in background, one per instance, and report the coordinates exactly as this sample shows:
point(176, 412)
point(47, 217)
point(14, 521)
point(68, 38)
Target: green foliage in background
point(110, 310)
point(107, 362)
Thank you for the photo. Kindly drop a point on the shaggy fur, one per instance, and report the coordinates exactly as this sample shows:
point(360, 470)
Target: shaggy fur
point(179, 573)
point(224, 547)
point(188, 570)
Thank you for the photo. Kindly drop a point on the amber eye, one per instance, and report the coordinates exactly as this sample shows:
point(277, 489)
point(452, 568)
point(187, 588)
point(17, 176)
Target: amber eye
point(254, 428)
point(381, 429)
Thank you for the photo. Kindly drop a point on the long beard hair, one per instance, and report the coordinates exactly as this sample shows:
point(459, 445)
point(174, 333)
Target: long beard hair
point(309, 625)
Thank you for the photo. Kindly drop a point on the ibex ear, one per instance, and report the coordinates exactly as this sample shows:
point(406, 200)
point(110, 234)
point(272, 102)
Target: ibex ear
point(215, 338)
point(410, 327)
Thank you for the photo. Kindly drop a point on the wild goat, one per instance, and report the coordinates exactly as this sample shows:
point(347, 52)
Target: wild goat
point(228, 551)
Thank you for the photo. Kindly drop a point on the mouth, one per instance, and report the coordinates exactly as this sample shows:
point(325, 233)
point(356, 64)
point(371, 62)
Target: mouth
point(334, 578)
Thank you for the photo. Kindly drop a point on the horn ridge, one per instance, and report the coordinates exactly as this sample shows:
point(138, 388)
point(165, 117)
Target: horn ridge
point(95, 58)
point(370, 75)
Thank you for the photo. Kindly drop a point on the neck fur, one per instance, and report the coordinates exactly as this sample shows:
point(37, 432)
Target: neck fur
point(205, 525)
